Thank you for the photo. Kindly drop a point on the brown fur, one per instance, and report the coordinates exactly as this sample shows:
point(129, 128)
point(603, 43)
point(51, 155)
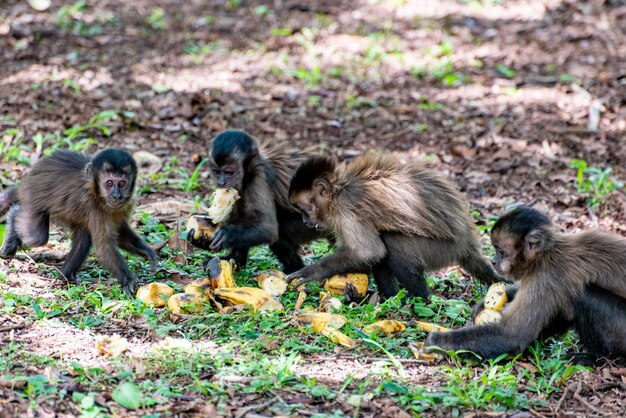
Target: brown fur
point(388, 215)
point(554, 273)
point(67, 188)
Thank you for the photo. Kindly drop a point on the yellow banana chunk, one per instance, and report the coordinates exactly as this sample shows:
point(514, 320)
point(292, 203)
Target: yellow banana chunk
point(198, 288)
point(222, 205)
point(387, 326)
point(338, 337)
point(418, 351)
point(329, 303)
point(202, 227)
point(273, 282)
point(337, 284)
point(488, 316)
point(221, 274)
point(152, 294)
point(251, 296)
point(184, 303)
point(496, 297)
point(112, 345)
point(321, 320)
point(428, 327)
point(272, 304)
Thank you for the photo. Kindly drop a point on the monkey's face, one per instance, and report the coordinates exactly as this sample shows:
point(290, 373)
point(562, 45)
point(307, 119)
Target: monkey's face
point(116, 188)
point(228, 175)
point(510, 259)
point(311, 207)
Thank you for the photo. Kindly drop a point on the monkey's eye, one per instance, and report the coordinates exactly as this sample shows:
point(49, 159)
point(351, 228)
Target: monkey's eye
point(122, 183)
point(229, 172)
point(109, 183)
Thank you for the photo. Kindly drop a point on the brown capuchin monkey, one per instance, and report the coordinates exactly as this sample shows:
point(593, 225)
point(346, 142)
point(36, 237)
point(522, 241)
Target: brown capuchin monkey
point(396, 218)
point(263, 213)
point(91, 196)
point(561, 280)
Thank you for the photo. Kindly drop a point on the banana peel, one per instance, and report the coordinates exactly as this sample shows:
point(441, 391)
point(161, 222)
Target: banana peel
point(153, 294)
point(338, 337)
point(337, 284)
point(387, 326)
point(186, 303)
point(302, 294)
point(329, 303)
point(429, 327)
point(202, 227)
point(320, 320)
point(221, 274)
point(255, 298)
point(418, 352)
point(273, 282)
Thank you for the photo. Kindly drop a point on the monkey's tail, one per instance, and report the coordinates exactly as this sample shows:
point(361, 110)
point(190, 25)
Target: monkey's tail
point(479, 268)
point(7, 199)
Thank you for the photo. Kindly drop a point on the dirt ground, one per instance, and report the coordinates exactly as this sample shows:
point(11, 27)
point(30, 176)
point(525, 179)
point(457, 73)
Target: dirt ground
point(527, 87)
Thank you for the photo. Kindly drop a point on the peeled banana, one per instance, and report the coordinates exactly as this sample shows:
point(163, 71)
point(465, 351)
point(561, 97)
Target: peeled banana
point(337, 284)
point(320, 320)
point(273, 282)
point(495, 299)
point(257, 299)
point(154, 294)
point(221, 274)
point(112, 345)
point(387, 326)
point(329, 303)
point(222, 205)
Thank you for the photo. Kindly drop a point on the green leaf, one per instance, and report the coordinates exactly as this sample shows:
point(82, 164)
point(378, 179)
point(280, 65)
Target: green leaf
point(128, 395)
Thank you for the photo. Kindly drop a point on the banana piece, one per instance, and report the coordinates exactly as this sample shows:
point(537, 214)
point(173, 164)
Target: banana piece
point(320, 320)
point(113, 345)
point(338, 337)
point(202, 227)
point(257, 299)
point(273, 282)
point(387, 326)
point(152, 294)
point(496, 297)
point(418, 351)
point(185, 303)
point(329, 303)
point(337, 284)
point(221, 274)
point(428, 327)
point(302, 294)
point(488, 316)
point(222, 205)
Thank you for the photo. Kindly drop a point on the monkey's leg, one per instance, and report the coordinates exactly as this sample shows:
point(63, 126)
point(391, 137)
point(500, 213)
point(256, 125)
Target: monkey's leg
point(385, 281)
point(479, 268)
point(600, 320)
point(81, 243)
point(112, 260)
point(12, 240)
point(287, 254)
point(32, 227)
point(131, 242)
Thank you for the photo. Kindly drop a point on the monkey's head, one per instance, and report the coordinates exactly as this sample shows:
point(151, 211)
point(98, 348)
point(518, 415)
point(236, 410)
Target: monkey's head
point(113, 172)
point(519, 238)
point(312, 189)
point(230, 154)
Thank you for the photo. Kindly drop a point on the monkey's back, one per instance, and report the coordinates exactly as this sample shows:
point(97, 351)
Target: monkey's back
point(279, 164)
point(400, 196)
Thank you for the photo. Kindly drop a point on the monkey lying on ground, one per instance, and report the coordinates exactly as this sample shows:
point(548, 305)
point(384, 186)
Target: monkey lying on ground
point(263, 213)
point(398, 219)
point(562, 280)
point(92, 196)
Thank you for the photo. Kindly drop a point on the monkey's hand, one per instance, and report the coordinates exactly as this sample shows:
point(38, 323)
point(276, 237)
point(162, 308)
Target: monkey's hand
point(305, 275)
point(129, 287)
point(221, 239)
point(202, 242)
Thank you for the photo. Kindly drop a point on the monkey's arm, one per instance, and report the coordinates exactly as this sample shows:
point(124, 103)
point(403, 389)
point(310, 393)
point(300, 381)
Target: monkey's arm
point(361, 248)
point(131, 242)
point(523, 321)
point(105, 240)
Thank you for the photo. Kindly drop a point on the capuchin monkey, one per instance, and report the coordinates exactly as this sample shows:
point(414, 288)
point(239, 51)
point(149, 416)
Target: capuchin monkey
point(263, 213)
point(91, 196)
point(396, 218)
point(561, 280)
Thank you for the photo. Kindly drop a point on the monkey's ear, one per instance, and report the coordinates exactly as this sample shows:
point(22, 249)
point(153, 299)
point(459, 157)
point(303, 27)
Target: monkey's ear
point(323, 187)
point(535, 240)
point(89, 170)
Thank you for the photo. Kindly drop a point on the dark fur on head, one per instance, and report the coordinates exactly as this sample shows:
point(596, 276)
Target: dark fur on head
point(233, 144)
point(310, 170)
point(520, 221)
point(114, 160)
